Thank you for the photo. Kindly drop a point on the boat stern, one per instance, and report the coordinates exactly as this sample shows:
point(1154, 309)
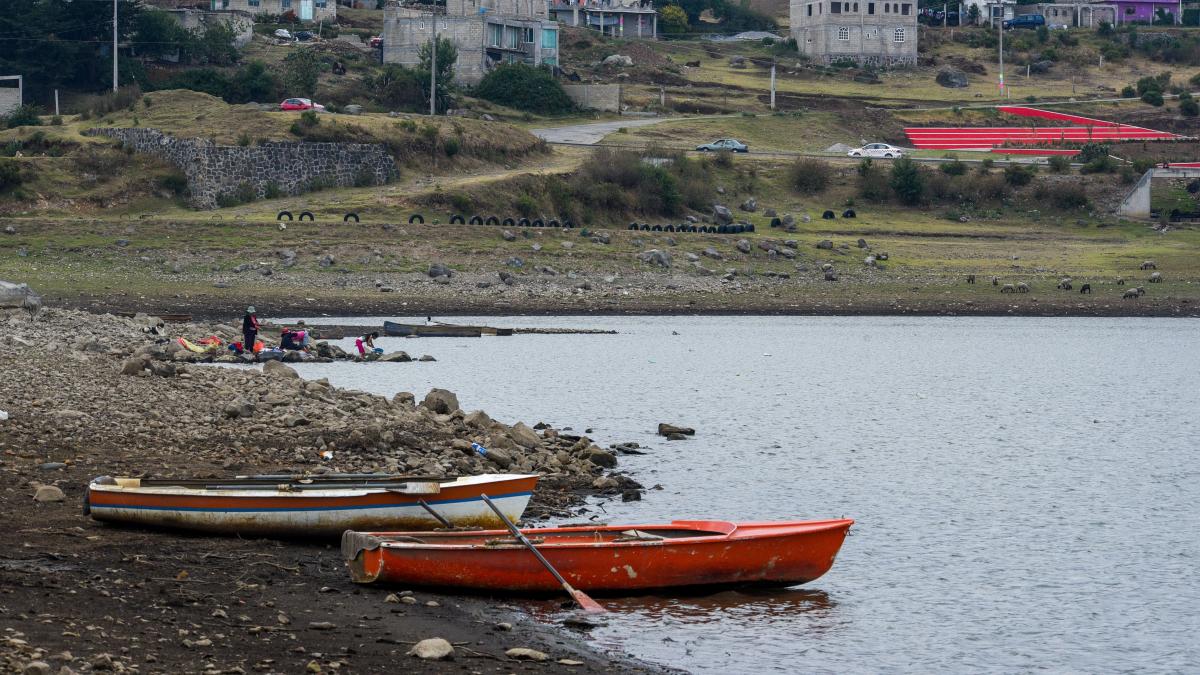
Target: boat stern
point(363, 556)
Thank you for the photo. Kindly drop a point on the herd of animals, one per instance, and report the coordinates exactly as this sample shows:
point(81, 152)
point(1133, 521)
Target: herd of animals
point(1066, 283)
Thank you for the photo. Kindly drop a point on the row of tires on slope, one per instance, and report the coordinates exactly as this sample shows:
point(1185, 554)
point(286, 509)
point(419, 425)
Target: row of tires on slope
point(707, 229)
point(417, 218)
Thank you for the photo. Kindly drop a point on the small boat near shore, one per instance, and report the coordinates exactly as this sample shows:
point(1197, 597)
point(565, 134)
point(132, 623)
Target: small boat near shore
point(393, 329)
point(613, 559)
point(308, 506)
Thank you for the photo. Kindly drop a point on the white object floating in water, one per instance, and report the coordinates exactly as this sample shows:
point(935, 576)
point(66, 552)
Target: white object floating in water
point(765, 354)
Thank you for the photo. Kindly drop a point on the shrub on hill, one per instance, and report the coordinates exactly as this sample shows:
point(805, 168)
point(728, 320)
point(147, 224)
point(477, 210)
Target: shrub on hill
point(809, 176)
point(525, 88)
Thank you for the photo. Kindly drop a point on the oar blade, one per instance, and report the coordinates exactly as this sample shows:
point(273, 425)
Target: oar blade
point(586, 603)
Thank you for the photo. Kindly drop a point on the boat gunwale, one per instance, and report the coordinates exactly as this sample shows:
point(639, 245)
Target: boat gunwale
point(333, 492)
point(741, 532)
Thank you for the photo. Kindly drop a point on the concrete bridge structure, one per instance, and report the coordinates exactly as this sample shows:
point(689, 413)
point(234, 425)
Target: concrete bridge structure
point(1137, 203)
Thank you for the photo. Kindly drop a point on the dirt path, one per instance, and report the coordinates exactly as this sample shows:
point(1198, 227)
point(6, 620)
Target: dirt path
point(594, 132)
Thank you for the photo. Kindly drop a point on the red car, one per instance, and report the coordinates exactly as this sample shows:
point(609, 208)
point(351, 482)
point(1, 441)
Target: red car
point(375, 42)
point(301, 104)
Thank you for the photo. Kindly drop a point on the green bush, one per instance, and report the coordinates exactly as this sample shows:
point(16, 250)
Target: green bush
point(309, 119)
point(1092, 151)
point(398, 88)
point(1066, 196)
point(809, 176)
point(1018, 175)
point(1153, 97)
point(24, 116)
point(1129, 92)
point(175, 182)
point(451, 146)
point(525, 88)
point(953, 168)
point(907, 181)
point(1103, 164)
point(272, 191)
point(1188, 106)
point(10, 175)
point(986, 164)
point(1060, 163)
point(724, 158)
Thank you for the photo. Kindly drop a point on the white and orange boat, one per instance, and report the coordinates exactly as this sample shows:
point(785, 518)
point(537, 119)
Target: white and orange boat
point(308, 506)
point(613, 559)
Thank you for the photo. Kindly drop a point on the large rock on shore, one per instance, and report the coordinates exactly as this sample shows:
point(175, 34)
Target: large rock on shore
point(278, 369)
point(441, 401)
point(433, 649)
point(524, 436)
point(665, 429)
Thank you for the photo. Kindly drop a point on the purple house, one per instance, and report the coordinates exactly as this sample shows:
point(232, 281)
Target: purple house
point(1143, 11)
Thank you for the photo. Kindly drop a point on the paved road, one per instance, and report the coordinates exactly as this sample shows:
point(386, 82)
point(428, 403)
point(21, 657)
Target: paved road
point(594, 132)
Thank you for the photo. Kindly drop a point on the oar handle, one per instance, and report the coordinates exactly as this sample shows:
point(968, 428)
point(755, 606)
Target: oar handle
point(528, 544)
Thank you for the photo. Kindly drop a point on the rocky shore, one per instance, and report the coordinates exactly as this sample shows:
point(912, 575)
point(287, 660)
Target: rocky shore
point(89, 394)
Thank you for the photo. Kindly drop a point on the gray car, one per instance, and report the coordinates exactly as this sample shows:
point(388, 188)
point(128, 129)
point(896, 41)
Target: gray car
point(729, 144)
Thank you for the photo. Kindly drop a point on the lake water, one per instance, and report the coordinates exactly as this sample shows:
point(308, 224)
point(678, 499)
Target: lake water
point(1025, 489)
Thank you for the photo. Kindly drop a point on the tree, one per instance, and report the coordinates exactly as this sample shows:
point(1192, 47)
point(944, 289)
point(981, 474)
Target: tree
point(525, 88)
point(158, 34)
point(447, 56)
point(673, 19)
point(907, 181)
point(300, 71)
point(252, 82)
point(399, 88)
point(216, 45)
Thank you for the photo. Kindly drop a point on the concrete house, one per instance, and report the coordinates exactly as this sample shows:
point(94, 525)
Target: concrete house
point(866, 31)
point(305, 10)
point(486, 33)
point(1081, 14)
point(11, 93)
point(618, 18)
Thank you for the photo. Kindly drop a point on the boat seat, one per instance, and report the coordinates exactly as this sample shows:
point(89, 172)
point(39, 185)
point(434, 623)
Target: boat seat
point(637, 535)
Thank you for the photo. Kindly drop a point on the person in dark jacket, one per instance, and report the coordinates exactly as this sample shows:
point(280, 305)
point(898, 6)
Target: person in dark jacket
point(249, 328)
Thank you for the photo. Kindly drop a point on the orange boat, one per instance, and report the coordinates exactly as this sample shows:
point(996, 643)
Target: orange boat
point(613, 559)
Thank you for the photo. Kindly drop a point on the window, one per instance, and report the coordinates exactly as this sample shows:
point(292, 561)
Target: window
point(285, 4)
point(887, 8)
point(319, 3)
point(870, 8)
point(549, 39)
point(905, 8)
point(254, 3)
point(835, 8)
point(856, 7)
point(844, 34)
point(495, 31)
point(810, 9)
point(899, 37)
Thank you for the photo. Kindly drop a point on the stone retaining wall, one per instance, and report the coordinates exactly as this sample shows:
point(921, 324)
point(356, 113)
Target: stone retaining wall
point(605, 97)
point(290, 168)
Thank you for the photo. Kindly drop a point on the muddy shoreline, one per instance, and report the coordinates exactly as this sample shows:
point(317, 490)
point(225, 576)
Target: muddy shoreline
point(90, 596)
point(214, 309)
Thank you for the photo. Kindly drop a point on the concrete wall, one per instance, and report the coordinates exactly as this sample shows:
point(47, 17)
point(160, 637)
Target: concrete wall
point(10, 96)
point(606, 97)
point(198, 20)
point(868, 26)
point(293, 168)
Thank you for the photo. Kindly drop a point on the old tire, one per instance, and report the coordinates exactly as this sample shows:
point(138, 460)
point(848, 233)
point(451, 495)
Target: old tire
point(509, 222)
point(416, 218)
point(282, 214)
point(476, 220)
point(457, 220)
point(350, 216)
point(492, 220)
point(307, 213)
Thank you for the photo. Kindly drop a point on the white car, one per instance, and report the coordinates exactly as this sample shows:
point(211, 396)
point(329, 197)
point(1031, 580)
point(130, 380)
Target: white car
point(876, 150)
point(283, 34)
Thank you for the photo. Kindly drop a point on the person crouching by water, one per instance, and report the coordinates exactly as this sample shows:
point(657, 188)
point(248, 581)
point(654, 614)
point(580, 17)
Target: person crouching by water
point(367, 342)
point(249, 328)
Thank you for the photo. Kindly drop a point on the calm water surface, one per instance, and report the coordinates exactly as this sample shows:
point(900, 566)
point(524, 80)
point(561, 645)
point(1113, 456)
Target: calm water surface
point(1025, 489)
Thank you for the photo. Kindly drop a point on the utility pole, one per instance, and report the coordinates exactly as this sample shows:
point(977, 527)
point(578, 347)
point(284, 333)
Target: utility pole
point(772, 84)
point(433, 67)
point(114, 46)
point(1001, 31)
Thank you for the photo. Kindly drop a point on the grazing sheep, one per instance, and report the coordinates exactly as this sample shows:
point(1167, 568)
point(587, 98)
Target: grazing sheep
point(1120, 281)
point(995, 281)
point(830, 275)
point(1022, 287)
point(882, 256)
point(1065, 284)
point(1149, 265)
point(1156, 278)
point(970, 278)
point(1008, 288)
point(1085, 288)
point(826, 267)
point(1133, 293)
point(869, 261)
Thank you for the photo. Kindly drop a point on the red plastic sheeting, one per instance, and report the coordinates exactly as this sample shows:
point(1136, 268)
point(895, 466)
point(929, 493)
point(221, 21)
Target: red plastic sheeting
point(1183, 165)
point(983, 138)
point(1025, 111)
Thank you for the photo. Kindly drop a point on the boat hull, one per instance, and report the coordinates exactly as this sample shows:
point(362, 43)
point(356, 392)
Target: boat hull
point(314, 513)
point(413, 330)
point(745, 554)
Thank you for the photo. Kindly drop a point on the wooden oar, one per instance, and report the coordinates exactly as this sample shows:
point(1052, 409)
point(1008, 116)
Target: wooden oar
point(445, 523)
point(580, 598)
